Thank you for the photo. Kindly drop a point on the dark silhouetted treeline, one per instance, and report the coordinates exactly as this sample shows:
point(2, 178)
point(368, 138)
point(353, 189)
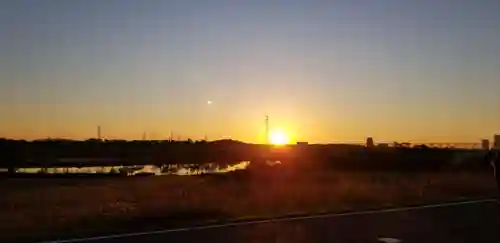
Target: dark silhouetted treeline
point(47, 153)
point(58, 152)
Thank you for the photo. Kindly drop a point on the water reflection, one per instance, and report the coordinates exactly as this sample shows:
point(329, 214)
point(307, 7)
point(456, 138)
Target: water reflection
point(189, 169)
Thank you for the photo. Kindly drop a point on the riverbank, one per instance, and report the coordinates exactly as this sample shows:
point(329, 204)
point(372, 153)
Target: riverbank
point(57, 153)
point(41, 209)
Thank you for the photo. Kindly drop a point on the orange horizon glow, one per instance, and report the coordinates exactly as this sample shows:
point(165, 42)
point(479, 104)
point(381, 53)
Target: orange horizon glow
point(53, 121)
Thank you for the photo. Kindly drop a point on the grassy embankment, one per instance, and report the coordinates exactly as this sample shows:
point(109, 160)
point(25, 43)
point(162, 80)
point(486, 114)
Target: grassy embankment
point(46, 207)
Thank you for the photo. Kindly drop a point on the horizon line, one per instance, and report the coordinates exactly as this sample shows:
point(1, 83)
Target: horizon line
point(236, 140)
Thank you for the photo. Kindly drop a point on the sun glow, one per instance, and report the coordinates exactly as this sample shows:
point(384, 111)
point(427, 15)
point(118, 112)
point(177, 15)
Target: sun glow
point(278, 137)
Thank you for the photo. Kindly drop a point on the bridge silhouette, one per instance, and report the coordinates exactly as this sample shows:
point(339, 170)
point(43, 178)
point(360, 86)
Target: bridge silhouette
point(457, 145)
point(439, 145)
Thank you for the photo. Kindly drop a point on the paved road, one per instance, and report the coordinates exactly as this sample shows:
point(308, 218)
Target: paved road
point(470, 222)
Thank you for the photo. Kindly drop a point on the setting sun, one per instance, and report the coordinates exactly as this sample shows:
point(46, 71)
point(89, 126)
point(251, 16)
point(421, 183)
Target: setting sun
point(278, 137)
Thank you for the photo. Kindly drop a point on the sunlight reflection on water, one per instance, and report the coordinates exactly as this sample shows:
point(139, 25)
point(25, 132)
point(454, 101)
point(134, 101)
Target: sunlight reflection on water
point(140, 169)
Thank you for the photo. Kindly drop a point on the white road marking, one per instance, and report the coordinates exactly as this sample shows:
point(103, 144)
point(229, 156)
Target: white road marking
point(389, 240)
point(264, 221)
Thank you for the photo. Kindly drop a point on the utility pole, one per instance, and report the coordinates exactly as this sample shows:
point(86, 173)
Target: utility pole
point(99, 132)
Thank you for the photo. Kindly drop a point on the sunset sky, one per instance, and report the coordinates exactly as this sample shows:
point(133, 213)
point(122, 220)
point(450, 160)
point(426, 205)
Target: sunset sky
point(324, 71)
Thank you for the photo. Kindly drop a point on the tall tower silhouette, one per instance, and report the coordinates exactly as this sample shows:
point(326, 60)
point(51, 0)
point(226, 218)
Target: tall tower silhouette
point(99, 132)
point(267, 129)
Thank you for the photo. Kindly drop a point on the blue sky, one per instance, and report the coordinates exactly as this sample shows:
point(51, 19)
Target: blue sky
point(323, 70)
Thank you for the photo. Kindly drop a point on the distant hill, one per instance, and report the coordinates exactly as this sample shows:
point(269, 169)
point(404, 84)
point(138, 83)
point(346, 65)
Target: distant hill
point(226, 142)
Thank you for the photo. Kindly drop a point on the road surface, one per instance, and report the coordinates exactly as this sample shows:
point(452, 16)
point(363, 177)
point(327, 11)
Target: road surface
point(472, 221)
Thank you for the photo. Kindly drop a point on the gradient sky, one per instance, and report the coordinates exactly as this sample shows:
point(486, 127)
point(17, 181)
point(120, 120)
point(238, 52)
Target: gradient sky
point(324, 71)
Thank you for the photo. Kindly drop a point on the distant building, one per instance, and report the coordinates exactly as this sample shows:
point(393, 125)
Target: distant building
point(383, 145)
point(302, 143)
point(369, 142)
point(485, 144)
point(496, 141)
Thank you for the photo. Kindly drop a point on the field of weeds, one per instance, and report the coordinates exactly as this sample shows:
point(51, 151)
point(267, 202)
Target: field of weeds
point(46, 208)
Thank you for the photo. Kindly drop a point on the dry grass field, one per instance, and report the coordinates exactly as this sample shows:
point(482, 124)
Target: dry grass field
point(70, 207)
